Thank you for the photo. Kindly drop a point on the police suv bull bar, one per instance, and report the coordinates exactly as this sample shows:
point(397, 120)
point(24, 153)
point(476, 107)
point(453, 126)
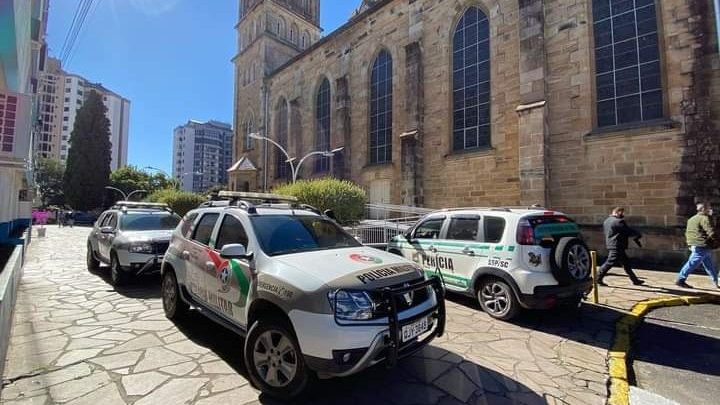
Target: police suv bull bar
point(394, 340)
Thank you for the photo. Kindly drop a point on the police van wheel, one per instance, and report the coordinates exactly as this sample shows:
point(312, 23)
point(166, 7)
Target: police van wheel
point(117, 275)
point(497, 299)
point(92, 263)
point(274, 361)
point(173, 305)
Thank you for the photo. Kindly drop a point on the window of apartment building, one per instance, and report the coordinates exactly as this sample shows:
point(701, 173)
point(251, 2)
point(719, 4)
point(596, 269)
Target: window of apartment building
point(68, 80)
point(66, 108)
point(67, 90)
point(322, 125)
point(282, 168)
point(65, 127)
point(381, 110)
point(471, 81)
point(627, 62)
point(66, 118)
point(67, 99)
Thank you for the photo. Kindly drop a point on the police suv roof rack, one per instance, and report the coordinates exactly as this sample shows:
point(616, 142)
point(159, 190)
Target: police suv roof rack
point(125, 205)
point(259, 197)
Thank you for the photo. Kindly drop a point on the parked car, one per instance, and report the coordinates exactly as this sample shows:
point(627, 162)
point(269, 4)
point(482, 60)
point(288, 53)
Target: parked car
point(85, 217)
point(132, 238)
point(507, 259)
point(308, 297)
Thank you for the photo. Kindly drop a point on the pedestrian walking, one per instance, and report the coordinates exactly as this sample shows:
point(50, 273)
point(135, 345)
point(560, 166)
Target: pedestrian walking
point(71, 218)
point(701, 238)
point(617, 233)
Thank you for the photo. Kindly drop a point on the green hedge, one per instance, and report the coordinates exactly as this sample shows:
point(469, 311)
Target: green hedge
point(345, 198)
point(180, 201)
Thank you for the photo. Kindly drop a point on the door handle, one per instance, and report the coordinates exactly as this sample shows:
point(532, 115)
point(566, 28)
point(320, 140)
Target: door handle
point(210, 267)
point(185, 255)
point(468, 251)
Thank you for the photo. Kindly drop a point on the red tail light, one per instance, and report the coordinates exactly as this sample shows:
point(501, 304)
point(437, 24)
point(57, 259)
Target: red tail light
point(525, 233)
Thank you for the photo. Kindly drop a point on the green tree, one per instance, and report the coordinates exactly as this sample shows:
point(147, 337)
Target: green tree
point(88, 163)
point(49, 178)
point(131, 178)
point(179, 201)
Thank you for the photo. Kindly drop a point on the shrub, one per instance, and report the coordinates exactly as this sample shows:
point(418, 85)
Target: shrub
point(345, 198)
point(180, 201)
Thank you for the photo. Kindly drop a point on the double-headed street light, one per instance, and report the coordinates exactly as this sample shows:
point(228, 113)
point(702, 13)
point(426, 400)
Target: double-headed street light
point(291, 160)
point(126, 197)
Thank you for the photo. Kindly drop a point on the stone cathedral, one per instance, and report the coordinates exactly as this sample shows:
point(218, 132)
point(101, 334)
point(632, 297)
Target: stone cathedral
point(578, 105)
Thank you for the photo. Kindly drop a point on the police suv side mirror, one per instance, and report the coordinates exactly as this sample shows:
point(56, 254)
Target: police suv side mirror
point(330, 214)
point(107, 230)
point(235, 251)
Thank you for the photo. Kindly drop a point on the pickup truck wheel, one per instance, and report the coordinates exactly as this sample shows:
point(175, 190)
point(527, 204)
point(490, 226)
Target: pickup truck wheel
point(92, 263)
point(173, 305)
point(117, 275)
point(497, 299)
point(274, 361)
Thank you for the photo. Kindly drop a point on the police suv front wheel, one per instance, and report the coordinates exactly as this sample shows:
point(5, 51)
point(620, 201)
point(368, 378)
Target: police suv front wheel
point(173, 305)
point(274, 361)
point(497, 299)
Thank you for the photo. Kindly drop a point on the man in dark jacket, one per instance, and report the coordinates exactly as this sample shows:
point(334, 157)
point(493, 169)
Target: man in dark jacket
point(700, 236)
point(617, 234)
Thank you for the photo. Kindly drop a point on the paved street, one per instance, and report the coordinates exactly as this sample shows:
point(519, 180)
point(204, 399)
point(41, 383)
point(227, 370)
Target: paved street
point(680, 344)
point(76, 340)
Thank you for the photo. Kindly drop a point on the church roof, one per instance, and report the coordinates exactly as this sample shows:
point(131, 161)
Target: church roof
point(244, 164)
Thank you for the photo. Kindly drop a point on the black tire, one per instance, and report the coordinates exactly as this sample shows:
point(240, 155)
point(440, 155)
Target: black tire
point(93, 264)
point(497, 298)
point(173, 305)
point(570, 261)
point(292, 376)
point(118, 277)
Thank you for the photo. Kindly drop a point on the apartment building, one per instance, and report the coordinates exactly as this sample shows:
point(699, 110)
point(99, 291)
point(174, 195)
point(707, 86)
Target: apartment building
point(202, 154)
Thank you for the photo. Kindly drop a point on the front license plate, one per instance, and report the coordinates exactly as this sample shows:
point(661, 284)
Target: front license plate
point(413, 330)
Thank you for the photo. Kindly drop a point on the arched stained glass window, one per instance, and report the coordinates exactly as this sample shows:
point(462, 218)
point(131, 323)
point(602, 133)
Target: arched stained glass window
point(628, 81)
point(322, 125)
point(282, 168)
point(381, 110)
point(471, 81)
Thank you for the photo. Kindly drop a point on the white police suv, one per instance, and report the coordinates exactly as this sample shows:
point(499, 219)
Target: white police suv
point(310, 299)
point(507, 258)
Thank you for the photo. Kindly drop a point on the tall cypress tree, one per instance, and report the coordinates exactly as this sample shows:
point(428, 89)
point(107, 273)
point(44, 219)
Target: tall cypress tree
point(87, 171)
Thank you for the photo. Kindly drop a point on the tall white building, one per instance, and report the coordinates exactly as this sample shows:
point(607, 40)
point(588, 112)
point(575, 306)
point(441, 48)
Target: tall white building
point(202, 154)
point(76, 89)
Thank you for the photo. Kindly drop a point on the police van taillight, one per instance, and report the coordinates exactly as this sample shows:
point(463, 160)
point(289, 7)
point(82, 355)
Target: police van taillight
point(525, 233)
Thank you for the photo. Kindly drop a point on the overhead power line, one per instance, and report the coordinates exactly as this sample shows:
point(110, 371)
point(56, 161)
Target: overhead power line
point(75, 28)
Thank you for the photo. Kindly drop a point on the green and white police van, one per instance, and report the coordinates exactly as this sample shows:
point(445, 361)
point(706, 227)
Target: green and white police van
point(507, 258)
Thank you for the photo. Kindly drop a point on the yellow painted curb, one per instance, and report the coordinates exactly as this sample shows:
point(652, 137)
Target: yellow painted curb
point(624, 328)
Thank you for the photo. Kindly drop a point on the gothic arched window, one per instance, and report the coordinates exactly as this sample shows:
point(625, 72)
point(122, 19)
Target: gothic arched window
point(381, 110)
point(628, 81)
point(282, 168)
point(249, 128)
point(322, 125)
point(471, 81)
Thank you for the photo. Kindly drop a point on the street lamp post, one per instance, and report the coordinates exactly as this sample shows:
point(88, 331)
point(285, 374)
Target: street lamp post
point(126, 197)
point(295, 169)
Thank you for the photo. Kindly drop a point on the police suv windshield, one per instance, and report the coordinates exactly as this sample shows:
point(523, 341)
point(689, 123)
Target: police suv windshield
point(148, 221)
point(285, 234)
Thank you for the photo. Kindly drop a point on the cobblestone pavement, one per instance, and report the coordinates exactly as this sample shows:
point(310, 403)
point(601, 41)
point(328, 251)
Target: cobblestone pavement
point(76, 340)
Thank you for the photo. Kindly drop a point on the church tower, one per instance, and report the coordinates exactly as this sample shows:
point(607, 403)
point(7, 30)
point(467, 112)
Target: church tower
point(269, 33)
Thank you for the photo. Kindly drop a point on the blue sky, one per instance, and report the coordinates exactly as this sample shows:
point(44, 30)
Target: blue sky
point(171, 58)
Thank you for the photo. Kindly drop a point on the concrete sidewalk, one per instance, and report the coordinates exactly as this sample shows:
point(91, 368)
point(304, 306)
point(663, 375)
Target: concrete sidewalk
point(77, 340)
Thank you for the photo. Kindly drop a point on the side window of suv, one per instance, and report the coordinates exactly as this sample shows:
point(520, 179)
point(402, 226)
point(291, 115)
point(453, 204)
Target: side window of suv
point(494, 228)
point(187, 222)
point(111, 221)
point(429, 229)
point(204, 228)
point(231, 232)
point(464, 229)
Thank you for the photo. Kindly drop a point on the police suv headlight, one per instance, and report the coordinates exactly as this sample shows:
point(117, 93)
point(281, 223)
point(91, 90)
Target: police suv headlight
point(141, 248)
point(351, 305)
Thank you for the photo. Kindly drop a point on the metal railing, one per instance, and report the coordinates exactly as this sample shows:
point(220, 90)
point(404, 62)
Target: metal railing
point(384, 221)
